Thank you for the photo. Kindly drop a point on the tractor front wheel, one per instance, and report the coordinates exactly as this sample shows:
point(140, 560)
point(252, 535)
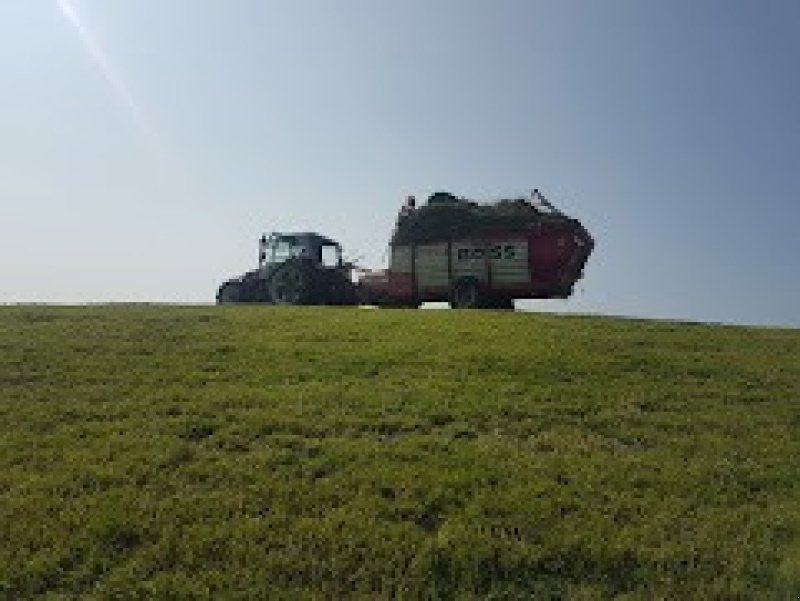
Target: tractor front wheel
point(229, 292)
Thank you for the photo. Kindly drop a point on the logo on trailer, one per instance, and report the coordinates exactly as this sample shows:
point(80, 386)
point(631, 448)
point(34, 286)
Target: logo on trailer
point(497, 251)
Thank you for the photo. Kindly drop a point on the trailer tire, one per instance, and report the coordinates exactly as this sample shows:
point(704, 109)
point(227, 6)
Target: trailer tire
point(502, 303)
point(467, 293)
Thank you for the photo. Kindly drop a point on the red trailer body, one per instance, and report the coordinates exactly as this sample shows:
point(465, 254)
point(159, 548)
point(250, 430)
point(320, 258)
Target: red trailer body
point(488, 270)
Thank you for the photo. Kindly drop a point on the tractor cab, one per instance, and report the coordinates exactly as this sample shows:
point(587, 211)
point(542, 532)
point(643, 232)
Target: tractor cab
point(277, 248)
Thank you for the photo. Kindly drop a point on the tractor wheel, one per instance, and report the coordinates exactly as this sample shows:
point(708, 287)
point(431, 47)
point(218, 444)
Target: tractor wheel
point(467, 293)
point(229, 292)
point(293, 284)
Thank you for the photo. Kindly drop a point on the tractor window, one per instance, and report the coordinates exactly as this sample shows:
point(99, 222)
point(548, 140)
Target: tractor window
point(281, 251)
point(330, 256)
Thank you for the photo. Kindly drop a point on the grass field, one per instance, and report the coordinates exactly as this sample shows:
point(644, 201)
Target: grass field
point(256, 452)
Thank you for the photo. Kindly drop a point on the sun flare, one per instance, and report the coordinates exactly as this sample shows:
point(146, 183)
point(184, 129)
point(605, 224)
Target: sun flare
point(109, 73)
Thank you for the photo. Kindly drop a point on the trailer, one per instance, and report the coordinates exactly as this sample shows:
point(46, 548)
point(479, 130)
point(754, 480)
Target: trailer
point(479, 256)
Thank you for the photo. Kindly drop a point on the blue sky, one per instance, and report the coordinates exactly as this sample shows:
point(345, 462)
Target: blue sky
point(145, 145)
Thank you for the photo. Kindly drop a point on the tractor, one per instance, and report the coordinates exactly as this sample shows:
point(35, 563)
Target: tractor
point(294, 269)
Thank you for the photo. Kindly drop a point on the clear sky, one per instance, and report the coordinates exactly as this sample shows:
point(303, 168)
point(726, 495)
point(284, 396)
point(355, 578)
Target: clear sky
point(146, 144)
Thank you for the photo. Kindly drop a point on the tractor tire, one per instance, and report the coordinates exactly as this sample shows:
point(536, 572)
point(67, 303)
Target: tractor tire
point(230, 292)
point(293, 284)
point(467, 293)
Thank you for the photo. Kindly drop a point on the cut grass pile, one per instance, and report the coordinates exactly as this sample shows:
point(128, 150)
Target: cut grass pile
point(257, 452)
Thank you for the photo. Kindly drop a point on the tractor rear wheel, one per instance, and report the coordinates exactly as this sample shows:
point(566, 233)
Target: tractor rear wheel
point(293, 284)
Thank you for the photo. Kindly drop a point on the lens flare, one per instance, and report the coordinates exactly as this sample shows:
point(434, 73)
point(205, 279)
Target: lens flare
point(111, 76)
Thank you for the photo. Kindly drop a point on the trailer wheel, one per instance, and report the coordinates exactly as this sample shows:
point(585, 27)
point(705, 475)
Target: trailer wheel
point(467, 293)
point(293, 284)
point(502, 303)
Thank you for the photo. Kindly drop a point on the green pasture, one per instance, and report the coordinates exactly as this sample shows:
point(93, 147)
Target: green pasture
point(337, 453)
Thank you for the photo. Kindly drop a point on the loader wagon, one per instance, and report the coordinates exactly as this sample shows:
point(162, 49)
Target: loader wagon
point(480, 256)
